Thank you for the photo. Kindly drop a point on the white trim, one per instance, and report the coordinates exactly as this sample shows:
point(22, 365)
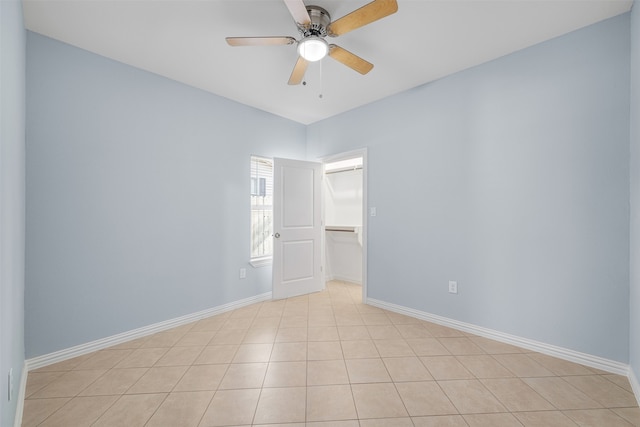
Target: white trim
point(346, 279)
point(635, 385)
point(364, 153)
point(262, 261)
point(79, 350)
point(22, 391)
point(548, 349)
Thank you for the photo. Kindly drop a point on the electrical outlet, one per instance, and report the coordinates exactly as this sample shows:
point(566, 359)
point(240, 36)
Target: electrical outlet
point(453, 287)
point(373, 211)
point(10, 388)
point(243, 273)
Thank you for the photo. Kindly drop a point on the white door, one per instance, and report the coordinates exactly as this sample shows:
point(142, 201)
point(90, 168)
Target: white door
point(297, 228)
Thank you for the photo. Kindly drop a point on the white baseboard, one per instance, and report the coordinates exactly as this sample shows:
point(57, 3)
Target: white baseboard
point(79, 350)
point(22, 391)
point(347, 279)
point(548, 349)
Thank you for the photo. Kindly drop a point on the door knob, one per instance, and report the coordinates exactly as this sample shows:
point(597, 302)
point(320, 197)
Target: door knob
point(277, 235)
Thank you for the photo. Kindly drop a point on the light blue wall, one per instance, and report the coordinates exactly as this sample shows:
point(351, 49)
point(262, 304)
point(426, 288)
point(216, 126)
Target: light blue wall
point(511, 178)
point(12, 199)
point(634, 300)
point(137, 196)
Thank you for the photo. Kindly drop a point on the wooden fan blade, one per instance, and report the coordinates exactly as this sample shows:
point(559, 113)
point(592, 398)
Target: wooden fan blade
point(298, 11)
point(260, 41)
point(298, 71)
point(367, 14)
point(349, 59)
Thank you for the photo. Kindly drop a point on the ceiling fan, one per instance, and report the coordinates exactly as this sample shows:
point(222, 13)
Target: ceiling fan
point(314, 24)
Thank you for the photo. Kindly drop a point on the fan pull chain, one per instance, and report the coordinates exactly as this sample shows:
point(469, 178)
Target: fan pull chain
point(320, 96)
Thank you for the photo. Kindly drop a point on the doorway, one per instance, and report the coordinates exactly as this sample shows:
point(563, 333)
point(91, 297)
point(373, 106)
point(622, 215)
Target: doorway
point(344, 201)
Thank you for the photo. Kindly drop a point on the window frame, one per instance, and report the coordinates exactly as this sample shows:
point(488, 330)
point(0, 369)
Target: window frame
point(264, 189)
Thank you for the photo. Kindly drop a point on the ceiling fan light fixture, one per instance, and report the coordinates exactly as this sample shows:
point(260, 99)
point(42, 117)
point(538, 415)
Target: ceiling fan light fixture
point(313, 48)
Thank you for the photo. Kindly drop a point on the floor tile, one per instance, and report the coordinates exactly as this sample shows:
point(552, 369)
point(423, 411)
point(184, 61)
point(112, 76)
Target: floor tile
point(632, 415)
point(180, 356)
point(427, 347)
point(214, 354)
point(105, 359)
point(471, 397)
point(323, 333)
point(351, 319)
point(227, 336)
point(404, 369)
point(393, 348)
point(291, 335)
point(561, 394)
point(379, 400)
point(559, 366)
point(387, 422)
point(460, 346)
point(442, 331)
point(360, 349)
point(197, 338)
point(484, 366)
point(80, 411)
point(544, 419)
point(231, 407)
point(440, 421)
point(289, 352)
point(131, 410)
point(597, 418)
point(492, 420)
point(143, 358)
point(326, 372)
point(69, 384)
point(201, 378)
point(331, 402)
point(351, 423)
point(244, 375)
point(286, 374)
point(620, 381)
point(522, 365)
point(162, 339)
point(184, 409)
point(516, 395)
point(367, 371)
point(495, 347)
point(251, 353)
point(412, 331)
point(603, 391)
point(158, 380)
point(323, 360)
point(281, 405)
point(326, 350)
point(374, 319)
point(38, 380)
point(383, 332)
point(425, 398)
point(37, 410)
point(446, 368)
point(115, 381)
point(353, 333)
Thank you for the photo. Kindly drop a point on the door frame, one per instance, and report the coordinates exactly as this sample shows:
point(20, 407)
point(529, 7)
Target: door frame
point(361, 152)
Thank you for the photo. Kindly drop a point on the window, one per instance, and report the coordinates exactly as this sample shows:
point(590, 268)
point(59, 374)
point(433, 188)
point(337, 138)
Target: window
point(261, 211)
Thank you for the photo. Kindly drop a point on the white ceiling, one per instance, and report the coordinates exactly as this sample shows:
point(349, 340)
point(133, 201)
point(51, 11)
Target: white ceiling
point(184, 40)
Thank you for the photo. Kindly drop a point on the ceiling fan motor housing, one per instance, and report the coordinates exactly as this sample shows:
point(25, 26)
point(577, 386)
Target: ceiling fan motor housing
point(320, 20)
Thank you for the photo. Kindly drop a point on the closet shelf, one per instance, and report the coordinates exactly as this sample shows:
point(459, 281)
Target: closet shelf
point(347, 229)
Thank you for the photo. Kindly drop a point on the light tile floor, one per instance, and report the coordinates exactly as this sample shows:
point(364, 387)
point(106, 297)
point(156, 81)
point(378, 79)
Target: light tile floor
point(327, 360)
